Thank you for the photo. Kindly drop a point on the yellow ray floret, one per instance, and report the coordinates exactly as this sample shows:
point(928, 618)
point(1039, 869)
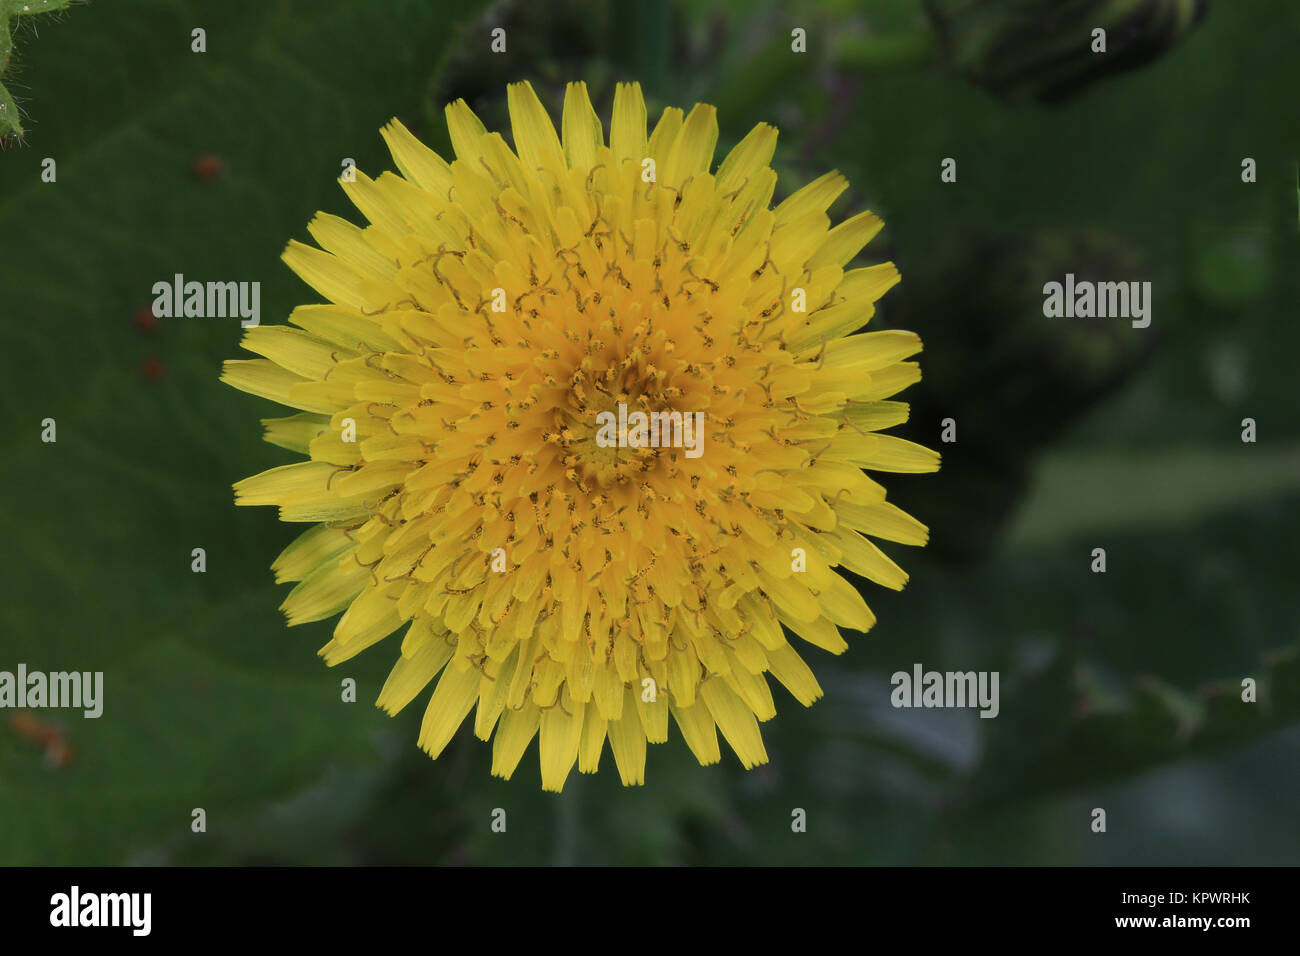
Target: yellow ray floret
point(449, 397)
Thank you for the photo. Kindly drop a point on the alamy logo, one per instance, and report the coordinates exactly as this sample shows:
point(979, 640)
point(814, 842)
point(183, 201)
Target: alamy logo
point(75, 908)
point(651, 430)
point(946, 689)
point(1102, 300)
point(75, 689)
point(211, 300)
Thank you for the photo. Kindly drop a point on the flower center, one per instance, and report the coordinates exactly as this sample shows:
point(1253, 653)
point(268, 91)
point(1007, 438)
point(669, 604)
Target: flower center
point(604, 428)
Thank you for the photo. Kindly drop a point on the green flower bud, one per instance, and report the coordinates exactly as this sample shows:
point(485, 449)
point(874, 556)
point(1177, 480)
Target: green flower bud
point(1048, 50)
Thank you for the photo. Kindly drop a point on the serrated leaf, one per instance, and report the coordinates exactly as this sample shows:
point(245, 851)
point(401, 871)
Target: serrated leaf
point(10, 11)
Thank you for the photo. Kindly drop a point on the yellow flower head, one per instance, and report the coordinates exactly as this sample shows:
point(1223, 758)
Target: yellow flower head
point(589, 420)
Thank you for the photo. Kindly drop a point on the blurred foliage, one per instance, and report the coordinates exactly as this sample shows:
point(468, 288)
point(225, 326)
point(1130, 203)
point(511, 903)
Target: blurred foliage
point(1119, 440)
point(1039, 372)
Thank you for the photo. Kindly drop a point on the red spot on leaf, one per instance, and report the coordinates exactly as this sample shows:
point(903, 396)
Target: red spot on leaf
point(208, 167)
point(145, 320)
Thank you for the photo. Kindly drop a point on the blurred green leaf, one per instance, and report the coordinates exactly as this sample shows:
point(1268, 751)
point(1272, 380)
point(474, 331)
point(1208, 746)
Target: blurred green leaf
point(1097, 493)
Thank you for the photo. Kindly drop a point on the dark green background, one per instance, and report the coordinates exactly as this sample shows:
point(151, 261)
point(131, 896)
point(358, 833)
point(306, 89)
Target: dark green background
point(1108, 681)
